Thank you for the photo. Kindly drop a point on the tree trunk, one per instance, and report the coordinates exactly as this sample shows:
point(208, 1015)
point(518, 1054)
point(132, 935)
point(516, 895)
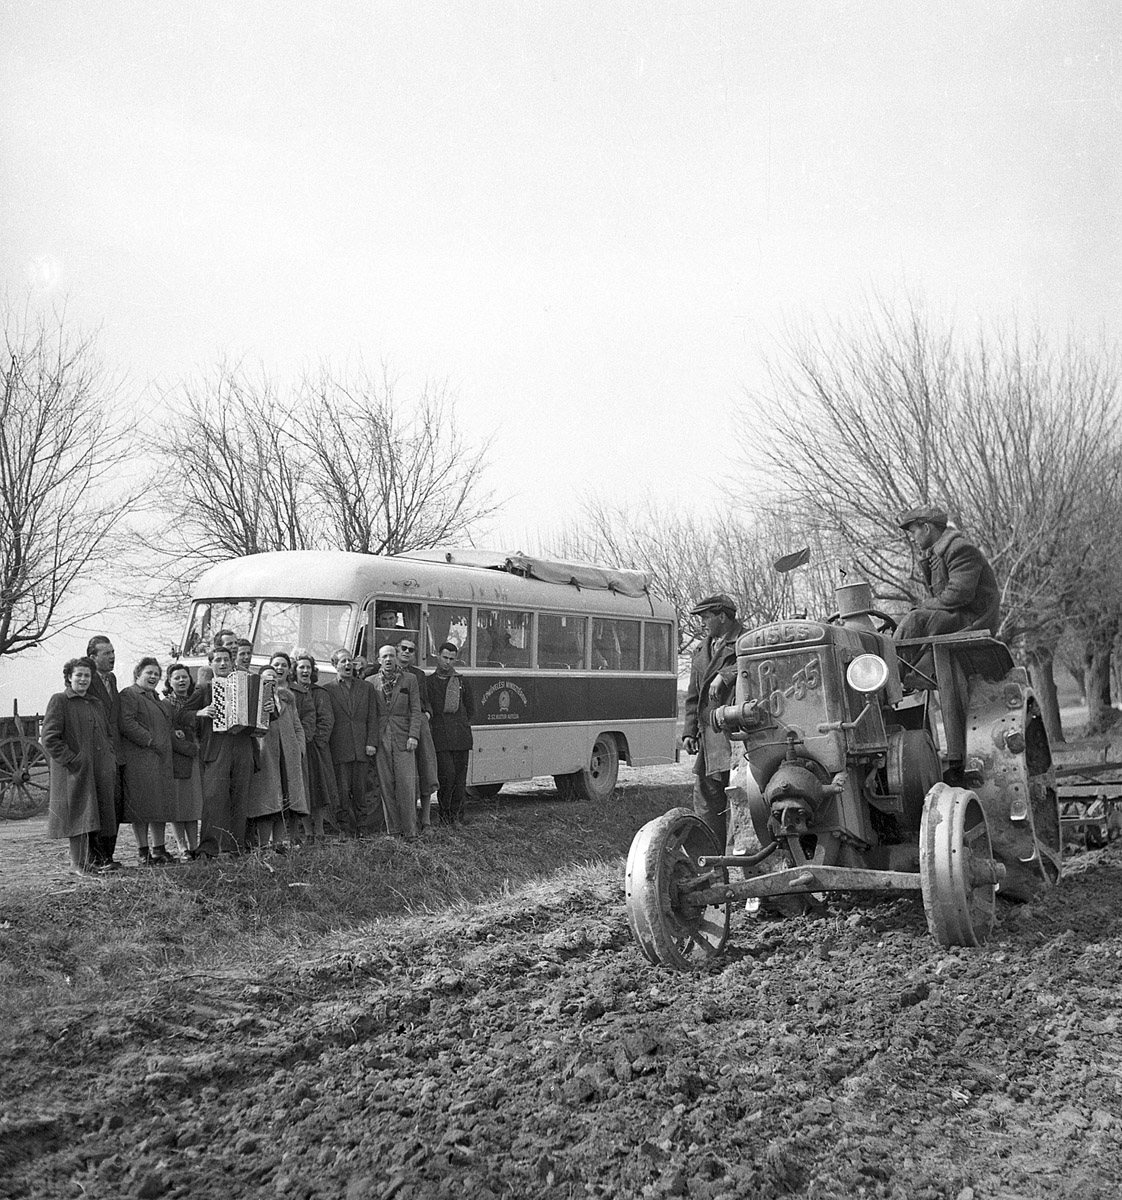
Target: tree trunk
point(1097, 657)
point(1041, 666)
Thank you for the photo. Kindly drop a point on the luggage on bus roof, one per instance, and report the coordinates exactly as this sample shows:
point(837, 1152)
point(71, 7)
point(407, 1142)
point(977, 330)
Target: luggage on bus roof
point(579, 575)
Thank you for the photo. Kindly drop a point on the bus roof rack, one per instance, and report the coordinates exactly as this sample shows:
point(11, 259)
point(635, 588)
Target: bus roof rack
point(578, 575)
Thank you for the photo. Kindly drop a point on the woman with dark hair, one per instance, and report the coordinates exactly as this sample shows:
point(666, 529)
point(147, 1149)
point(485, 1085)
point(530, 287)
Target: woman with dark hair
point(83, 764)
point(278, 787)
point(318, 720)
point(186, 766)
point(145, 727)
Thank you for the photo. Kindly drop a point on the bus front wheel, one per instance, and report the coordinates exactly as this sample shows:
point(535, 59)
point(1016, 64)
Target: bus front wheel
point(598, 780)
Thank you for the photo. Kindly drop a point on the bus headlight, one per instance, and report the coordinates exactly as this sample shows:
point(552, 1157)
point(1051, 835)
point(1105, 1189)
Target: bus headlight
point(867, 673)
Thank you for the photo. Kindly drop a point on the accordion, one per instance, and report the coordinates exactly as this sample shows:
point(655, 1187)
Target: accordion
point(239, 703)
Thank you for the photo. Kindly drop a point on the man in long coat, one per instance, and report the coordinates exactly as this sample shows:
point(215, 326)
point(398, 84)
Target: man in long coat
point(712, 670)
point(103, 687)
point(428, 779)
point(453, 709)
point(400, 723)
point(353, 743)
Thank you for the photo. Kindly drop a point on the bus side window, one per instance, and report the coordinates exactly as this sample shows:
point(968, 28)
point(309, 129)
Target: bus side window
point(656, 647)
point(561, 641)
point(502, 638)
point(450, 624)
point(615, 645)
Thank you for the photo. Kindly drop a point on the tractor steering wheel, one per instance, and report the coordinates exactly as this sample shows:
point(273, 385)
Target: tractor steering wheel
point(887, 623)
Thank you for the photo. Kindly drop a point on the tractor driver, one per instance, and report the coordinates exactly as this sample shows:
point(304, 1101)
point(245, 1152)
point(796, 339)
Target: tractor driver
point(712, 670)
point(962, 587)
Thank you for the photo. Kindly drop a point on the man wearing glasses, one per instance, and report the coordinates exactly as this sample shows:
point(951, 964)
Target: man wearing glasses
point(427, 781)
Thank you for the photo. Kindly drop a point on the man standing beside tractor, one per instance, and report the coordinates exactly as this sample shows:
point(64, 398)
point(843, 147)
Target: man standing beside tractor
point(712, 670)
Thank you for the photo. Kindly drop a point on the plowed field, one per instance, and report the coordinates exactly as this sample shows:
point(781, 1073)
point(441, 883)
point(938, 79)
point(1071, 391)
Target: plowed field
point(524, 1048)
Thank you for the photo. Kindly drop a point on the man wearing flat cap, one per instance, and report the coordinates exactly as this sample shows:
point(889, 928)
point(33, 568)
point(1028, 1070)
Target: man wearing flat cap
point(712, 671)
point(962, 587)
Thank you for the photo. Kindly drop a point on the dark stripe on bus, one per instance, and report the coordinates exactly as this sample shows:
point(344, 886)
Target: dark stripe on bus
point(514, 699)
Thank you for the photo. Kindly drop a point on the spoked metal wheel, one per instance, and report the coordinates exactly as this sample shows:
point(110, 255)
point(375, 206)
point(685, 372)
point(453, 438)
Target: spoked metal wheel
point(668, 922)
point(24, 778)
point(957, 871)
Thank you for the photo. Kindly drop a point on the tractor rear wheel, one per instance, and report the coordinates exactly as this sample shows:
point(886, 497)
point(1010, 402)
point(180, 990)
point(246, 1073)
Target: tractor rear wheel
point(957, 870)
point(670, 926)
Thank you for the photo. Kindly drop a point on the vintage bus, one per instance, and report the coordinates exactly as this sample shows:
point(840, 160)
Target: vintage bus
point(573, 667)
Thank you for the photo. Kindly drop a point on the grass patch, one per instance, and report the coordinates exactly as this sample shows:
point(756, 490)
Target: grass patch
point(126, 932)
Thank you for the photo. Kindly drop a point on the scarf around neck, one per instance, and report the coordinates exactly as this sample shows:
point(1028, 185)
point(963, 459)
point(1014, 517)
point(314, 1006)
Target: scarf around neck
point(452, 695)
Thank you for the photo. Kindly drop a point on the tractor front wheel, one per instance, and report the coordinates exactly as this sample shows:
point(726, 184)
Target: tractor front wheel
point(957, 871)
point(669, 920)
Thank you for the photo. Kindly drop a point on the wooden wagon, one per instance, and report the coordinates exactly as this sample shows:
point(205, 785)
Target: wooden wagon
point(24, 771)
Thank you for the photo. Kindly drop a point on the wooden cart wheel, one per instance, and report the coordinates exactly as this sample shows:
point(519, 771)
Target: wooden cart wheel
point(957, 869)
point(24, 779)
point(668, 924)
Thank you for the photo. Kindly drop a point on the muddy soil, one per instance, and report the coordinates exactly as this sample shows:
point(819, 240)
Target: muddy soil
point(528, 1050)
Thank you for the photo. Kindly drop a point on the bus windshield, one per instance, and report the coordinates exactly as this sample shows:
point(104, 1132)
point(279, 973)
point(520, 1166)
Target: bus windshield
point(271, 625)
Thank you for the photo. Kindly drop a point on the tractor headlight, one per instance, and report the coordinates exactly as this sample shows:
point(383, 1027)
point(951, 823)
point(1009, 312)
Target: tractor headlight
point(867, 673)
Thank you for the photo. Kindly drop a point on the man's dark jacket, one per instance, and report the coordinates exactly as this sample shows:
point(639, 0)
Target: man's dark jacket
point(961, 581)
point(450, 731)
point(716, 754)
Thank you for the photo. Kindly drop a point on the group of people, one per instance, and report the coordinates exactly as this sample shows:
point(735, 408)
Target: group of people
point(153, 756)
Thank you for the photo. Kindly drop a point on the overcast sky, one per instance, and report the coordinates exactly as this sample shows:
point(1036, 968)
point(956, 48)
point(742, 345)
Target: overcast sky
point(589, 217)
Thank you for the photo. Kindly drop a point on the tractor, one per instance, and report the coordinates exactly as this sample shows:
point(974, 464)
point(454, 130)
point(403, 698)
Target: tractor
point(851, 783)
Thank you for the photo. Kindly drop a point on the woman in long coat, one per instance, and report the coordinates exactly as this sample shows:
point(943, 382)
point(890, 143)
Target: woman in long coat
point(145, 728)
point(75, 735)
point(278, 787)
point(318, 719)
point(186, 764)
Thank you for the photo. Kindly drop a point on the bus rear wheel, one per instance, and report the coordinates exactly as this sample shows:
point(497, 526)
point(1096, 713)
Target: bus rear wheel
point(485, 791)
point(598, 780)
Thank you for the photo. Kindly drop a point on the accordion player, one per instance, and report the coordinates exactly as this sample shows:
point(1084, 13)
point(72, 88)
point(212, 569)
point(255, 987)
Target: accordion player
point(241, 703)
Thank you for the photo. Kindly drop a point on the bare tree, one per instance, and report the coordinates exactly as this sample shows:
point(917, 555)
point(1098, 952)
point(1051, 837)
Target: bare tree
point(337, 463)
point(64, 450)
point(390, 476)
point(688, 556)
point(1010, 435)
